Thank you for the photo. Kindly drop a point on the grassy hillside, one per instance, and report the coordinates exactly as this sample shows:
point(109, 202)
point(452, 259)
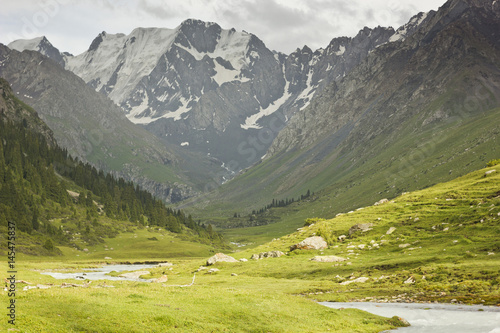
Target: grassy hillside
point(446, 238)
point(384, 168)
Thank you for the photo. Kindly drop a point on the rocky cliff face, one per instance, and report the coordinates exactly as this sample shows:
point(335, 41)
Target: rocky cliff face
point(399, 78)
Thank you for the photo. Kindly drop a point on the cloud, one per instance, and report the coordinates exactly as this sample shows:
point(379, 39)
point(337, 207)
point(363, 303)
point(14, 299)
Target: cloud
point(283, 25)
point(160, 9)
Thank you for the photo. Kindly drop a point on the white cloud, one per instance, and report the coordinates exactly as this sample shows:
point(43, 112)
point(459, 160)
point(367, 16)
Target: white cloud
point(283, 25)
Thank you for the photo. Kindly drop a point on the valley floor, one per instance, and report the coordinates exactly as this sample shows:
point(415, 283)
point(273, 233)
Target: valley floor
point(440, 244)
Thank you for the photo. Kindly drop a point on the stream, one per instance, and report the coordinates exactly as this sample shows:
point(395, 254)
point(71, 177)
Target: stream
point(100, 273)
point(442, 318)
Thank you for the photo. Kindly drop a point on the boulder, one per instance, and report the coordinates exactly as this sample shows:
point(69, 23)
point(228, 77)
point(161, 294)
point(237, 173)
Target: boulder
point(342, 238)
point(358, 280)
point(402, 246)
point(328, 259)
point(269, 254)
point(410, 280)
point(489, 172)
point(390, 231)
point(311, 243)
point(161, 279)
point(213, 270)
point(165, 264)
point(363, 227)
point(381, 202)
point(220, 257)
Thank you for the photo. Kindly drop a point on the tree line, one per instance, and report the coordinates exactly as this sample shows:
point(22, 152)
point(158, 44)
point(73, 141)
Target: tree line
point(34, 175)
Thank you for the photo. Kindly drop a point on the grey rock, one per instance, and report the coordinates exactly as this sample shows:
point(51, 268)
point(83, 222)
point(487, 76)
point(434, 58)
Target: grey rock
point(311, 243)
point(360, 227)
point(328, 259)
point(390, 231)
point(269, 254)
point(161, 279)
point(220, 257)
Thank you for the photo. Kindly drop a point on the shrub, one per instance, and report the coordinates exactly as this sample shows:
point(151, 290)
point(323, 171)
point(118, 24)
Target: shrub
point(493, 163)
point(312, 221)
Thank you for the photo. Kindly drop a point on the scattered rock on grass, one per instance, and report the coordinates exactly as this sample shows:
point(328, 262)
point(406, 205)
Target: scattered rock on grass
point(220, 257)
point(165, 264)
point(358, 280)
point(161, 279)
point(380, 202)
point(489, 172)
point(390, 231)
point(328, 259)
point(363, 227)
point(269, 254)
point(311, 243)
point(410, 280)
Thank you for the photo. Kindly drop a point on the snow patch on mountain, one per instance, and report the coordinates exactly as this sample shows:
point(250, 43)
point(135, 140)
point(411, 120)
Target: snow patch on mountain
point(340, 51)
point(126, 59)
point(307, 94)
point(251, 122)
point(26, 44)
point(409, 27)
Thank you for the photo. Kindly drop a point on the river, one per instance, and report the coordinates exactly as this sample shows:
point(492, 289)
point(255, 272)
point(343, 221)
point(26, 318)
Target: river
point(442, 318)
point(100, 273)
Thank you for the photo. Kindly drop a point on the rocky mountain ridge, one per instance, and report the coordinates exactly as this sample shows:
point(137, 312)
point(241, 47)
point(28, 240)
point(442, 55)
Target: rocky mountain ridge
point(219, 92)
point(416, 111)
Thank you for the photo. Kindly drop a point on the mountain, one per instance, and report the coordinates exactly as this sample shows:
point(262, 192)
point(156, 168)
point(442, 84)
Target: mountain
point(416, 111)
point(218, 92)
point(41, 45)
point(92, 128)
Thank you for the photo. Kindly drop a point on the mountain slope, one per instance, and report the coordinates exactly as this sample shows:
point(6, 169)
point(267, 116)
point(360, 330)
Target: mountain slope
point(91, 127)
point(414, 112)
point(49, 199)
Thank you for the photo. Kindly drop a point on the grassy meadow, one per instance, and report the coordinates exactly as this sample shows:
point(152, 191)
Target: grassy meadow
point(444, 247)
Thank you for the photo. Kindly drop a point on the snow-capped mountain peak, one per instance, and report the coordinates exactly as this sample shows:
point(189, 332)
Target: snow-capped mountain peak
point(39, 44)
point(207, 86)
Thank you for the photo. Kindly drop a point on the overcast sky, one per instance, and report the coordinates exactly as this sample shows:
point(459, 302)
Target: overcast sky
point(283, 25)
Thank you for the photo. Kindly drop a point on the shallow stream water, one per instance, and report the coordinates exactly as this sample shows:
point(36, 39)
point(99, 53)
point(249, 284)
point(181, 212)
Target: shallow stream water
point(100, 273)
point(441, 318)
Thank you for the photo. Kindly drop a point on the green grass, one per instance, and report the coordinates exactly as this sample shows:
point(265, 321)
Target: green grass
point(215, 303)
point(453, 254)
